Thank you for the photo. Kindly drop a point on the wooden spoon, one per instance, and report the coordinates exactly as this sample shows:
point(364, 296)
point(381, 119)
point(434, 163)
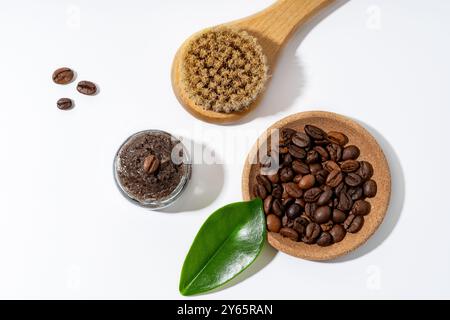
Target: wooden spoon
point(370, 151)
point(272, 28)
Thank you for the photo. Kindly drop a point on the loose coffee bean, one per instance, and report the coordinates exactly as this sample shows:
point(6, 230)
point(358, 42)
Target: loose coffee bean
point(297, 152)
point(335, 152)
point(360, 208)
point(63, 76)
point(286, 135)
point(338, 138)
point(273, 223)
point(311, 233)
point(277, 191)
point(287, 160)
point(325, 239)
point(151, 164)
point(283, 150)
point(345, 202)
point(370, 189)
point(297, 178)
point(312, 156)
point(331, 166)
point(301, 140)
point(259, 191)
point(341, 187)
point(325, 197)
point(293, 190)
point(301, 202)
point(327, 226)
point(286, 222)
point(300, 167)
point(322, 214)
point(334, 178)
point(286, 174)
point(293, 211)
point(314, 168)
point(349, 166)
point(268, 204)
point(300, 226)
point(277, 207)
point(354, 223)
point(64, 104)
point(350, 153)
point(310, 208)
point(307, 182)
point(315, 132)
point(263, 180)
point(365, 170)
point(289, 233)
point(338, 216)
point(353, 180)
point(337, 233)
point(321, 176)
point(324, 156)
point(274, 178)
point(87, 88)
point(312, 195)
point(355, 193)
point(286, 202)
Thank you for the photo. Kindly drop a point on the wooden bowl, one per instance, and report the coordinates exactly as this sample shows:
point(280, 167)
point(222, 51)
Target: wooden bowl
point(370, 151)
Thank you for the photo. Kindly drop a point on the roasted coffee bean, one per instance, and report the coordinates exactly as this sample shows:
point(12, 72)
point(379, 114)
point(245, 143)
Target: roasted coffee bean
point(338, 216)
point(87, 88)
point(324, 156)
point(349, 166)
point(277, 191)
point(287, 160)
point(341, 187)
point(355, 193)
point(259, 191)
point(283, 150)
point(310, 208)
point(337, 233)
point(360, 208)
point(151, 164)
point(63, 75)
point(345, 202)
point(263, 180)
point(350, 153)
point(289, 233)
point(322, 214)
point(64, 104)
point(297, 152)
point(321, 176)
point(273, 223)
point(268, 204)
point(277, 207)
point(334, 178)
point(353, 180)
point(301, 202)
point(274, 178)
point(302, 220)
point(327, 226)
point(365, 170)
point(312, 195)
point(325, 197)
point(335, 202)
point(337, 137)
point(312, 156)
point(286, 174)
point(314, 168)
point(307, 182)
point(312, 231)
point(293, 211)
point(300, 167)
point(325, 239)
point(297, 178)
point(300, 226)
point(301, 140)
point(315, 132)
point(286, 222)
point(286, 202)
point(286, 135)
point(353, 223)
point(335, 152)
point(331, 166)
point(293, 190)
point(370, 189)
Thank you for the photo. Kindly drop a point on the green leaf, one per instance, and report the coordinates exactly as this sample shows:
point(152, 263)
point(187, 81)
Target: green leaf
point(227, 243)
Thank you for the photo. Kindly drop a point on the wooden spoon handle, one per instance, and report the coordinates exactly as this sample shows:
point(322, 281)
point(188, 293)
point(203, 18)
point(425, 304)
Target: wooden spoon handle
point(276, 23)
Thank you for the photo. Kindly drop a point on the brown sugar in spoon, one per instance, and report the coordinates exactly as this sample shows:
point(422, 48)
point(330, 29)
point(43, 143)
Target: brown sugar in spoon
point(220, 74)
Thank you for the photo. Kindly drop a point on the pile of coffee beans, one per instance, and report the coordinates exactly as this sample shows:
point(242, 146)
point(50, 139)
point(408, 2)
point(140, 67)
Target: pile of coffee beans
point(319, 192)
point(66, 75)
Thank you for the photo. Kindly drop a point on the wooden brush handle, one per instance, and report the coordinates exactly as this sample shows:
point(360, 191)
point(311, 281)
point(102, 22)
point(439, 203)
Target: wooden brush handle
point(275, 24)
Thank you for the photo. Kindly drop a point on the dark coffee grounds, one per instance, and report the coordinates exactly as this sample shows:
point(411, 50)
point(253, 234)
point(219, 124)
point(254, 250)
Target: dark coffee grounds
point(134, 175)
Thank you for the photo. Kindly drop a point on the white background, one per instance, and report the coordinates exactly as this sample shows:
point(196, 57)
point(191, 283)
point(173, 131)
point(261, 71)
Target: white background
point(66, 231)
